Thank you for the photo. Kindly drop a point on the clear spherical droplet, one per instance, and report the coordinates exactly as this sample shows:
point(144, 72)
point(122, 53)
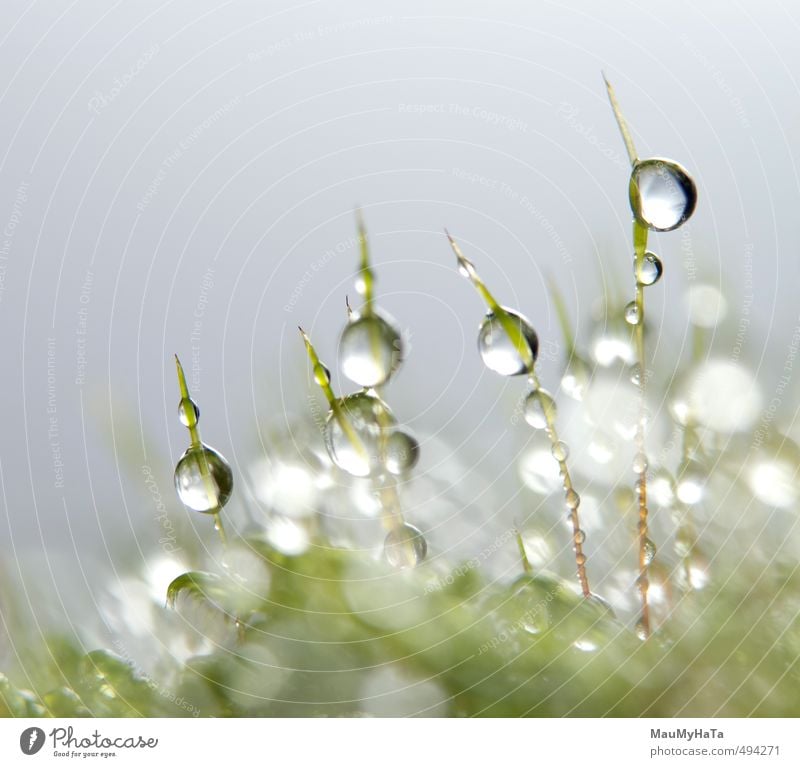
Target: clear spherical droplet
point(560, 451)
point(640, 463)
point(649, 551)
point(632, 315)
point(539, 409)
point(405, 546)
point(203, 479)
point(572, 499)
point(401, 452)
point(498, 351)
point(188, 412)
point(370, 350)
point(650, 270)
point(662, 194)
point(358, 448)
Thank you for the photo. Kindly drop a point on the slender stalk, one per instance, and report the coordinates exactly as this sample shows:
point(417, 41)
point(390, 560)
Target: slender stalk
point(197, 444)
point(639, 249)
point(366, 275)
point(517, 338)
point(526, 564)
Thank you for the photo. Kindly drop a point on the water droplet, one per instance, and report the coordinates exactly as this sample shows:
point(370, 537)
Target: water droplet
point(636, 374)
point(496, 348)
point(580, 537)
point(203, 479)
point(649, 551)
point(322, 374)
point(691, 483)
point(572, 499)
point(188, 412)
point(367, 416)
point(405, 546)
point(560, 451)
point(539, 409)
point(640, 463)
point(650, 270)
point(462, 270)
point(632, 313)
point(401, 452)
point(662, 194)
point(641, 630)
point(661, 489)
point(684, 542)
point(370, 350)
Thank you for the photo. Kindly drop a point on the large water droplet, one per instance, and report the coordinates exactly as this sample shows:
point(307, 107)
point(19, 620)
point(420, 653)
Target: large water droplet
point(496, 348)
point(650, 270)
point(662, 194)
point(367, 416)
point(401, 452)
point(203, 479)
point(405, 546)
point(188, 412)
point(370, 350)
point(539, 409)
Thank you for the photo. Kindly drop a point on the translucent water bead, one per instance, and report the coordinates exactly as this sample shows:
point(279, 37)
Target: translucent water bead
point(663, 195)
point(361, 452)
point(203, 479)
point(370, 350)
point(188, 412)
point(405, 546)
point(632, 315)
point(539, 409)
point(497, 350)
point(401, 452)
point(650, 270)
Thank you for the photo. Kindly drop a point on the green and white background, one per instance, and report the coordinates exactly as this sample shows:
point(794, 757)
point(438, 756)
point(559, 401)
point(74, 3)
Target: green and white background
point(180, 177)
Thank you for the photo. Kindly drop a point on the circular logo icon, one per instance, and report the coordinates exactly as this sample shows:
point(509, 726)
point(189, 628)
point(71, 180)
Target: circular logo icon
point(31, 740)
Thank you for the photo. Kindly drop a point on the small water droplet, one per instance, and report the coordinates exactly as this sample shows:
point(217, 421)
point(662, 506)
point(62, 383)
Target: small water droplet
point(367, 416)
point(632, 313)
point(539, 409)
point(462, 270)
point(370, 350)
point(496, 348)
point(405, 546)
point(188, 412)
point(203, 479)
point(649, 551)
point(560, 451)
point(322, 374)
point(641, 630)
point(580, 560)
point(572, 499)
point(580, 537)
point(662, 194)
point(650, 270)
point(636, 374)
point(401, 452)
point(684, 542)
point(640, 463)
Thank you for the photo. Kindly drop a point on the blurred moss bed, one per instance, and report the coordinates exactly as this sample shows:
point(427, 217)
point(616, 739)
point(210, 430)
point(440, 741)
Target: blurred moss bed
point(455, 647)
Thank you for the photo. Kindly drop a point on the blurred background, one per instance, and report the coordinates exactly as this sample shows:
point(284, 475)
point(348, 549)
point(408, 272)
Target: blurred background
point(180, 177)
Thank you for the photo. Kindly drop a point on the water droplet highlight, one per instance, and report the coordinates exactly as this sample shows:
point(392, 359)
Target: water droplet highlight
point(188, 412)
point(370, 350)
point(539, 409)
point(649, 552)
point(650, 270)
point(632, 315)
point(496, 348)
point(560, 451)
point(662, 194)
point(405, 546)
point(203, 479)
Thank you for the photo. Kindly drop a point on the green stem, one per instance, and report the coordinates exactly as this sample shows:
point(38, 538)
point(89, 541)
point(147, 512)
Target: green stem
point(623, 126)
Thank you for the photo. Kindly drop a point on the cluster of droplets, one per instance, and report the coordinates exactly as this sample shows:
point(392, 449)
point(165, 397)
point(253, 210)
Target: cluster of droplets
point(662, 196)
point(203, 478)
point(361, 435)
point(509, 346)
